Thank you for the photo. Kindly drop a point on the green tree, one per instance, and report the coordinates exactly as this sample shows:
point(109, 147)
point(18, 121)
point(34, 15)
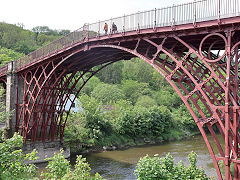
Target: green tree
point(111, 74)
point(59, 168)
point(146, 101)
point(16, 38)
point(7, 55)
point(107, 93)
point(133, 90)
point(3, 113)
point(167, 98)
point(185, 120)
point(137, 70)
point(89, 125)
point(157, 82)
point(81, 171)
point(91, 84)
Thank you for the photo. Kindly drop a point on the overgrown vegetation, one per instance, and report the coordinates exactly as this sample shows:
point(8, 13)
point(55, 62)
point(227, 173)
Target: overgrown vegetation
point(15, 42)
point(13, 166)
point(164, 168)
point(12, 159)
point(128, 103)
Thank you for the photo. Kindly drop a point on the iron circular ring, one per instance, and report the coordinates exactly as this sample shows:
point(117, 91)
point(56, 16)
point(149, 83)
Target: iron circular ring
point(200, 47)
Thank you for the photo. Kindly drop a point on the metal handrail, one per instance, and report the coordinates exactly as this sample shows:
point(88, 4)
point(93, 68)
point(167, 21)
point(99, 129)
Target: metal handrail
point(192, 12)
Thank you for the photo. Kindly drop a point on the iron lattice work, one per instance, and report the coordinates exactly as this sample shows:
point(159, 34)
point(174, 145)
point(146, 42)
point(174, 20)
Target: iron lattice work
point(41, 113)
point(204, 73)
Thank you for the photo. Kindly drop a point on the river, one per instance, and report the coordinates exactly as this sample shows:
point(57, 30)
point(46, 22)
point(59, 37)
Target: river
point(120, 164)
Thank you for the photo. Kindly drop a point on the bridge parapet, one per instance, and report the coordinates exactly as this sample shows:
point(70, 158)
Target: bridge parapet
point(193, 12)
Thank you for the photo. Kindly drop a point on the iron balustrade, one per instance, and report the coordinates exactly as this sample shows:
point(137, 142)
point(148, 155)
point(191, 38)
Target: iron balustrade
point(192, 12)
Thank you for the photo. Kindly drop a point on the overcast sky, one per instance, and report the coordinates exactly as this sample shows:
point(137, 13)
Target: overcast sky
point(72, 14)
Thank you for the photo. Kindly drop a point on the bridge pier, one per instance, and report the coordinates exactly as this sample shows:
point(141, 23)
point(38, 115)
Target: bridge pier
point(45, 150)
point(11, 99)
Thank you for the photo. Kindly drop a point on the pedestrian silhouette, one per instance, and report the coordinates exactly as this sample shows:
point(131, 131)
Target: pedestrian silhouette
point(114, 28)
point(105, 28)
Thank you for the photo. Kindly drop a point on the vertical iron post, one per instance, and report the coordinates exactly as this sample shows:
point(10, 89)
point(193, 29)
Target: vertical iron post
point(219, 11)
point(173, 16)
point(138, 19)
point(99, 28)
point(227, 113)
point(111, 26)
point(195, 13)
point(124, 23)
point(155, 16)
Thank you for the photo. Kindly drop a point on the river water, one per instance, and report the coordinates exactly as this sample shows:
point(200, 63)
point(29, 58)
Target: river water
point(120, 164)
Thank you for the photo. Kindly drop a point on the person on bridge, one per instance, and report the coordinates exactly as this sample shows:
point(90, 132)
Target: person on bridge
point(114, 28)
point(106, 28)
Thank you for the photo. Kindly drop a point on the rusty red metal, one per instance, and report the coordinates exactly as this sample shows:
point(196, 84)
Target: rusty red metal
point(198, 56)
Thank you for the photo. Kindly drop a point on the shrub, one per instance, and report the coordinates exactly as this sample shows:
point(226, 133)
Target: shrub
point(59, 168)
point(12, 160)
point(146, 101)
point(107, 93)
point(149, 168)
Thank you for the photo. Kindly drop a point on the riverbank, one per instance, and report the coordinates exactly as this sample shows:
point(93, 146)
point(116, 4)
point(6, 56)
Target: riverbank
point(126, 142)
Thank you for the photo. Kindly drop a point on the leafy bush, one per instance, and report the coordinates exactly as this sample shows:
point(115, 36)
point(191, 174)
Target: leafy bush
point(89, 125)
point(146, 101)
point(59, 168)
point(107, 93)
point(12, 160)
point(13, 166)
point(91, 84)
point(137, 70)
point(149, 168)
point(111, 74)
point(7, 55)
point(141, 122)
point(133, 90)
point(183, 117)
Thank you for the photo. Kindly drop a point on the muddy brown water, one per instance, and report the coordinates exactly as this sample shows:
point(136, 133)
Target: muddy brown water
point(120, 164)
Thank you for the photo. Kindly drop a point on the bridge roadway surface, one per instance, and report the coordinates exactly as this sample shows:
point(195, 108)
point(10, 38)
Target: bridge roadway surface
point(194, 46)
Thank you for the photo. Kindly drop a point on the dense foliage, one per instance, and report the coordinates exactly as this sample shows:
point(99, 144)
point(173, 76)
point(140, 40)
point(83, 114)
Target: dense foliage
point(60, 168)
point(128, 103)
point(164, 168)
point(15, 41)
point(13, 166)
point(12, 159)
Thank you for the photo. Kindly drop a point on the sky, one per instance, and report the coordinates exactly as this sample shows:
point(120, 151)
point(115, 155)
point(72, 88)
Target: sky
point(72, 14)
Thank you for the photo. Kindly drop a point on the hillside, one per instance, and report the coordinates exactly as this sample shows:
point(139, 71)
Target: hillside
point(15, 41)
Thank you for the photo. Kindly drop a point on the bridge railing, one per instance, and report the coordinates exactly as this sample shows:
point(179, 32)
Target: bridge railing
point(51, 48)
point(193, 12)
